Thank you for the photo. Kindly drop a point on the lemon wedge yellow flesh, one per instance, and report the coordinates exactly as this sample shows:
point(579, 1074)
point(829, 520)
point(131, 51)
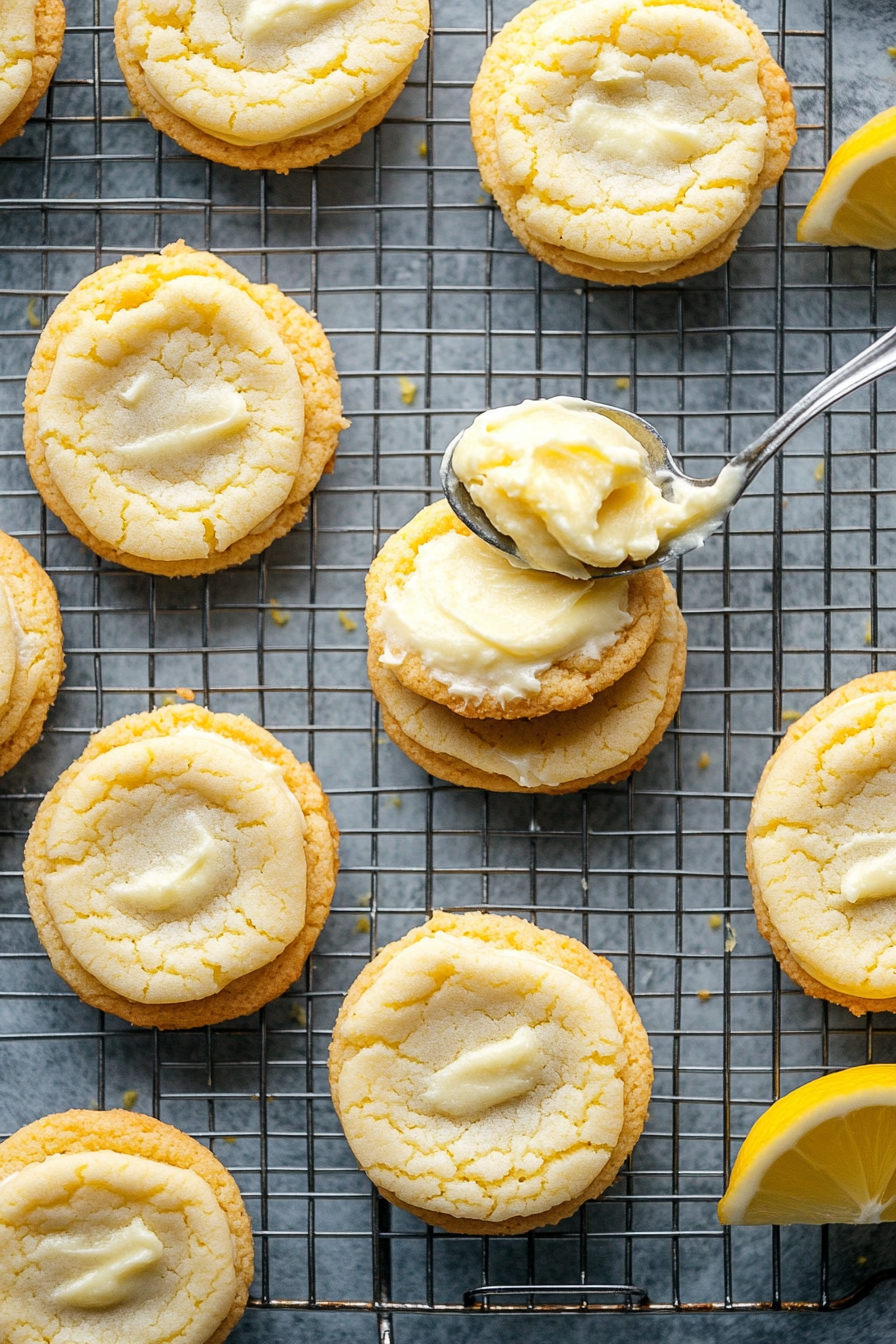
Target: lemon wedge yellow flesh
point(825, 1153)
point(856, 202)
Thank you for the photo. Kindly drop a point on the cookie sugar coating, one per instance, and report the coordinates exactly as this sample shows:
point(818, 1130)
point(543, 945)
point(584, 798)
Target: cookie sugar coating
point(178, 416)
point(821, 844)
point(180, 872)
point(630, 140)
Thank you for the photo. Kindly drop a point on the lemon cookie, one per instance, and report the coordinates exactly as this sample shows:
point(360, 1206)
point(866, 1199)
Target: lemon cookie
point(821, 847)
point(629, 141)
point(177, 416)
point(267, 83)
point(600, 743)
point(459, 624)
point(490, 1076)
point(31, 659)
point(180, 871)
point(31, 34)
point(115, 1226)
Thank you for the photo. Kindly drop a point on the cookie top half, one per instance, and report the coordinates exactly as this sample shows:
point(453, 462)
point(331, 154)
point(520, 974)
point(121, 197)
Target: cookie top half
point(479, 1071)
point(255, 72)
point(630, 135)
point(177, 416)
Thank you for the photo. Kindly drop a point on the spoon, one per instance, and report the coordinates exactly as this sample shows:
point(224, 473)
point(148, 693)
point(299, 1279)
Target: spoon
point(876, 360)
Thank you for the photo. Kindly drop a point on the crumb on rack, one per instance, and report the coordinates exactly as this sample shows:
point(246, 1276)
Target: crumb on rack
point(168, 700)
point(408, 390)
point(365, 898)
point(185, 693)
point(396, 801)
point(714, 921)
point(382, 739)
point(134, 111)
point(819, 472)
point(346, 621)
point(229, 1138)
point(623, 384)
point(891, 51)
point(869, 634)
point(362, 924)
point(129, 1099)
point(277, 616)
point(730, 938)
point(791, 715)
point(298, 1015)
point(423, 149)
point(703, 760)
point(33, 315)
point(704, 995)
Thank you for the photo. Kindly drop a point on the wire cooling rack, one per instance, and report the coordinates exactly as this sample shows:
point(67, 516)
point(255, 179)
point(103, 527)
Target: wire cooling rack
point(415, 277)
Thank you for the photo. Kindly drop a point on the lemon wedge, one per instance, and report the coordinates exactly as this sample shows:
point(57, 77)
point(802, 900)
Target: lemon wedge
point(855, 206)
point(825, 1153)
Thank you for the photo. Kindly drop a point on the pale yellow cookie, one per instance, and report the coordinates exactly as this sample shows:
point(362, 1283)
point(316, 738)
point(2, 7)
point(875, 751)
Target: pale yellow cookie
point(114, 1226)
point(821, 848)
point(268, 83)
point(600, 743)
point(177, 416)
point(180, 871)
point(31, 658)
point(490, 1076)
point(31, 35)
point(542, 642)
point(629, 141)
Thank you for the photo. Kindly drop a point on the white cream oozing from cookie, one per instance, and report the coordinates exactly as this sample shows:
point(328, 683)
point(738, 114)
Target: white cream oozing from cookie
point(17, 51)
point(254, 72)
point(176, 865)
point(106, 1246)
point(573, 488)
point(482, 625)
point(633, 135)
point(174, 426)
point(419, 1027)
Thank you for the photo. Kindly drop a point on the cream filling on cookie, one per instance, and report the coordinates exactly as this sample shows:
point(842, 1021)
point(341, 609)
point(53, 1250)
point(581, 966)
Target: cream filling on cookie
point(17, 51)
point(633, 134)
point(573, 488)
point(553, 749)
point(483, 626)
point(108, 1246)
point(176, 865)
point(173, 426)
point(444, 1011)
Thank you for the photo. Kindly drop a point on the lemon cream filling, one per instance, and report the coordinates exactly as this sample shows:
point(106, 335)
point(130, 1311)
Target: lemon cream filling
point(483, 626)
point(105, 1246)
point(632, 134)
point(173, 424)
point(480, 1082)
point(17, 50)
point(255, 72)
point(176, 865)
point(573, 488)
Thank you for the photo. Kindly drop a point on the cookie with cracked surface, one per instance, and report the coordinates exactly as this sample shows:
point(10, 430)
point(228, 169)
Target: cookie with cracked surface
point(116, 1226)
point(275, 84)
point(821, 848)
point(31, 657)
point(180, 871)
point(31, 36)
point(629, 141)
point(600, 743)
point(458, 624)
point(178, 416)
point(490, 1076)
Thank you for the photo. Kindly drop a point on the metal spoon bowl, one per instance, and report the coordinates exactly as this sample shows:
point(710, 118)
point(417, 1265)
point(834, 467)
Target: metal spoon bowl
point(872, 363)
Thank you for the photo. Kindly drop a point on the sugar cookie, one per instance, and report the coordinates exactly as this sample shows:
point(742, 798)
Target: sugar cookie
point(31, 658)
point(31, 34)
point(457, 623)
point(180, 871)
point(177, 417)
point(821, 847)
point(115, 1226)
point(267, 83)
point(629, 141)
point(602, 742)
point(490, 1076)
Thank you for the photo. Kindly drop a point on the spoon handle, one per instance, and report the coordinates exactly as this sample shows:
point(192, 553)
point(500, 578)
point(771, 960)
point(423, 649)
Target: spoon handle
point(877, 359)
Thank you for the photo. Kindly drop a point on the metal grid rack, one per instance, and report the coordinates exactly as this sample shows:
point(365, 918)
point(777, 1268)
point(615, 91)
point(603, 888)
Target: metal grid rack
point(415, 277)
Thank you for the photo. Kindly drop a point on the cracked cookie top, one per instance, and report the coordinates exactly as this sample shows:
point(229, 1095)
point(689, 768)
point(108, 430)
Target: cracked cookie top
point(17, 51)
point(253, 72)
point(175, 862)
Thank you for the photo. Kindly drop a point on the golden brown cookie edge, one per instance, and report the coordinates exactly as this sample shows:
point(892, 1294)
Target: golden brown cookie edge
point(49, 34)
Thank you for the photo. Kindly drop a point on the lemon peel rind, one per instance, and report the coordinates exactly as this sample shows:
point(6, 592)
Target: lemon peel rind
point(849, 162)
point(249, 992)
point(49, 32)
point(794, 1116)
point(511, 933)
